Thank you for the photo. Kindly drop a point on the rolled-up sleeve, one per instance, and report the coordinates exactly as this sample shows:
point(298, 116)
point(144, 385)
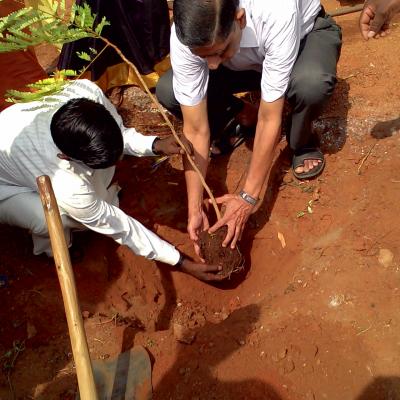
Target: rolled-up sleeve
point(190, 73)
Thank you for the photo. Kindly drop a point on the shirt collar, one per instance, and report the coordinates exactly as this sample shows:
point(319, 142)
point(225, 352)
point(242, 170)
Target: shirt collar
point(75, 166)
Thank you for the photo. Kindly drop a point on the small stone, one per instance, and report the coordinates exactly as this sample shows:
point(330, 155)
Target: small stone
point(310, 396)
point(183, 334)
point(288, 366)
point(282, 354)
point(85, 314)
point(385, 257)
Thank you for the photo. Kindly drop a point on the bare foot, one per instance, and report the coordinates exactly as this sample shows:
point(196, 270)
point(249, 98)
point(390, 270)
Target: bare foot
point(308, 166)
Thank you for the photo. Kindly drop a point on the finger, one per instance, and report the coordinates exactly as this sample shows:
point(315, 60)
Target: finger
point(238, 232)
point(229, 235)
point(222, 199)
point(212, 268)
point(198, 252)
point(213, 277)
point(377, 22)
point(189, 147)
point(217, 225)
point(187, 144)
point(193, 234)
point(367, 15)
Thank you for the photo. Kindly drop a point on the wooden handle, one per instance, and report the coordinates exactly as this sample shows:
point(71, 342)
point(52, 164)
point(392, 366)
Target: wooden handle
point(80, 351)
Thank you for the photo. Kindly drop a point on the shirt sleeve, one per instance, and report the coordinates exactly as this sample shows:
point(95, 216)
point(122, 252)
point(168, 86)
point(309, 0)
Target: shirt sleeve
point(135, 144)
point(281, 44)
point(190, 73)
point(83, 205)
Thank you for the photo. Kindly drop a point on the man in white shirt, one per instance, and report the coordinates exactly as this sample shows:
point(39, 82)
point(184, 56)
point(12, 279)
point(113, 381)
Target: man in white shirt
point(289, 48)
point(76, 137)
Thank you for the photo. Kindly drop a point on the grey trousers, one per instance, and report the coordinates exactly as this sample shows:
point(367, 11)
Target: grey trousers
point(312, 82)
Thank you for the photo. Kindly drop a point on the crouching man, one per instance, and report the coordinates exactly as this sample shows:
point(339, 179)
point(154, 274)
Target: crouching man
point(77, 141)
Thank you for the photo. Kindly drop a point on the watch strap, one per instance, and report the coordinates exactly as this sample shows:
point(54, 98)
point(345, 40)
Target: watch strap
point(247, 198)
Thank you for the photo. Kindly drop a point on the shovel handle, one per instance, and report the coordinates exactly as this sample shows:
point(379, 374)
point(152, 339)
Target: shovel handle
point(80, 351)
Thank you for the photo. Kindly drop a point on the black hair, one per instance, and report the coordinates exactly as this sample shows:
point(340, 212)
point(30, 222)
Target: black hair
point(86, 131)
point(202, 22)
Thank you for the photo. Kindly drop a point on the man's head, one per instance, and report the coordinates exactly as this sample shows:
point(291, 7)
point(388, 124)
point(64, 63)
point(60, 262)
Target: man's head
point(85, 131)
point(212, 29)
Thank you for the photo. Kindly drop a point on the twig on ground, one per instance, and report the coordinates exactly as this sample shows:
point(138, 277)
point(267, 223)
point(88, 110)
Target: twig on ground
point(364, 330)
point(10, 358)
point(366, 157)
point(113, 318)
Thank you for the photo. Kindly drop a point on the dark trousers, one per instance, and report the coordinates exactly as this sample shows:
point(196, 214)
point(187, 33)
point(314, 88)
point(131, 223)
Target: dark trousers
point(312, 81)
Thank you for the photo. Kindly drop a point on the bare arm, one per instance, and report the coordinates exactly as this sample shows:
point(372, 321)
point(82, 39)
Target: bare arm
point(196, 130)
point(268, 130)
point(267, 133)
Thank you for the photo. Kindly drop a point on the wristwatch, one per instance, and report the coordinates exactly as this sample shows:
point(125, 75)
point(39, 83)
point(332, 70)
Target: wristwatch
point(247, 198)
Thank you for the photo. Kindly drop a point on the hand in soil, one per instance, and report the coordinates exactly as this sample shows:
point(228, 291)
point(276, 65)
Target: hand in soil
point(237, 212)
point(230, 260)
point(203, 272)
point(375, 17)
point(197, 223)
point(169, 147)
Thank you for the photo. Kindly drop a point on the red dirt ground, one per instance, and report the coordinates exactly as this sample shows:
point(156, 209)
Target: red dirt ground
point(315, 315)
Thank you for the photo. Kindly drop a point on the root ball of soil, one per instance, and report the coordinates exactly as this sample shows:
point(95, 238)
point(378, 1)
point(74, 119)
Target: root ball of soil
point(231, 260)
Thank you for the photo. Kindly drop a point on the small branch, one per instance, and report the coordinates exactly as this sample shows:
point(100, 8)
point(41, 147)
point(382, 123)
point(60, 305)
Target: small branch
point(92, 61)
point(171, 127)
point(365, 158)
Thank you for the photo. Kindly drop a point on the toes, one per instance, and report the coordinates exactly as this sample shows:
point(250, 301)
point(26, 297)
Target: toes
point(308, 166)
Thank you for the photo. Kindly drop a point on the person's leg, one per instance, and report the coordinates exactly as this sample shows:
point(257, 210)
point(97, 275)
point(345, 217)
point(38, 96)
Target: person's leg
point(25, 210)
point(222, 105)
point(311, 84)
point(165, 94)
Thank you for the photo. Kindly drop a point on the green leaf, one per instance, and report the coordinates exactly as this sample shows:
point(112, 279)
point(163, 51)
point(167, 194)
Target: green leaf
point(83, 55)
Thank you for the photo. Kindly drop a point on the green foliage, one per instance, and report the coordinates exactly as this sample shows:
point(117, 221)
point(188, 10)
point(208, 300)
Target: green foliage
point(83, 55)
point(42, 88)
point(53, 24)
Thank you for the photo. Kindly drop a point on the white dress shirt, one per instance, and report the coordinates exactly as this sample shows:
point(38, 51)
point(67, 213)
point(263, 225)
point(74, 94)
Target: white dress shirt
point(27, 151)
point(269, 44)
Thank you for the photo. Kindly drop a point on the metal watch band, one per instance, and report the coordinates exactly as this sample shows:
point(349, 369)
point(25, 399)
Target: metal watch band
point(247, 198)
